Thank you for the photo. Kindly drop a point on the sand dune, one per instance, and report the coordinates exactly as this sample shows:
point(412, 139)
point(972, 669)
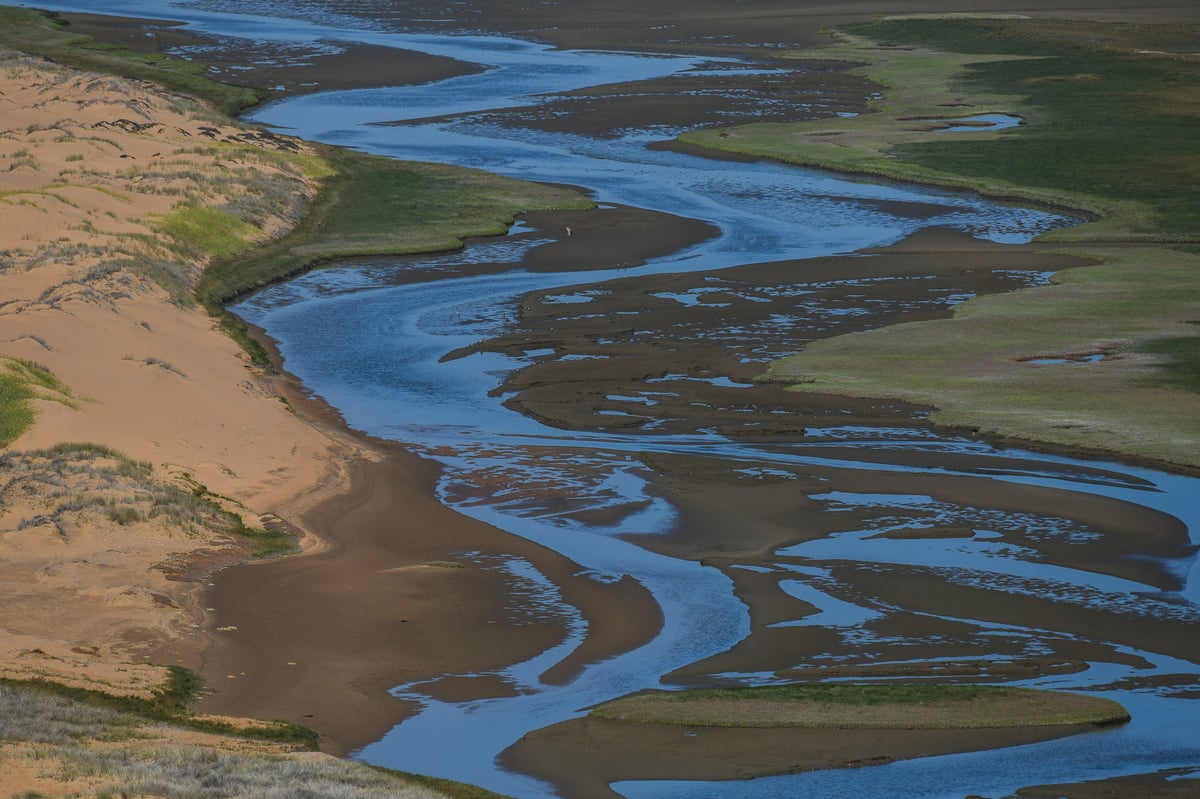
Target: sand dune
point(91, 168)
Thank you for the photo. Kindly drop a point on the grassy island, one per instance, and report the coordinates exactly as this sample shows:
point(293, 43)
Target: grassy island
point(867, 707)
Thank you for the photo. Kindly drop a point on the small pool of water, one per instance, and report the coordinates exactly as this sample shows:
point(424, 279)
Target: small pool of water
point(980, 122)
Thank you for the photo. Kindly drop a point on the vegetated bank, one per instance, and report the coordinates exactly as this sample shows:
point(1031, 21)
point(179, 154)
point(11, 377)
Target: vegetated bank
point(63, 741)
point(1105, 358)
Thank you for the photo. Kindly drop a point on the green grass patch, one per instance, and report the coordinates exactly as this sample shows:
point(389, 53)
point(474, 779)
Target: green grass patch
point(1107, 130)
point(267, 543)
point(47, 35)
point(205, 232)
point(448, 788)
point(981, 370)
point(372, 205)
point(21, 382)
point(16, 414)
point(875, 706)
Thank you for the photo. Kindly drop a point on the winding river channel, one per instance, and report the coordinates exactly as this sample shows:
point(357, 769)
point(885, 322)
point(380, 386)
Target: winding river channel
point(374, 340)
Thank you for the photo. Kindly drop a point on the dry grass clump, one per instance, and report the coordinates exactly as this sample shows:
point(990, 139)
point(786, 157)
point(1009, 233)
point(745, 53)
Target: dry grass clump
point(39, 717)
point(196, 773)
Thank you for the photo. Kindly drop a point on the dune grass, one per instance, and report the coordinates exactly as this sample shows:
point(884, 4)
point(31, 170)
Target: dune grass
point(137, 757)
point(21, 382)
point(875, 707)
point(171, 703)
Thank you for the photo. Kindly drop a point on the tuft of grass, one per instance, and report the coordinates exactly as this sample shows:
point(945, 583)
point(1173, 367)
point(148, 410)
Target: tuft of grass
point(22, 381)
point(124, 514)
point(206, 232)
point(873, 706)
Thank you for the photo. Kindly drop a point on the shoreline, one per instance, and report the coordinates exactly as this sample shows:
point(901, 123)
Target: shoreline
point(360, 527)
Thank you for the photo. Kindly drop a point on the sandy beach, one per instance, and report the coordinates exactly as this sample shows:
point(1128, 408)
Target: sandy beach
point(393, 587)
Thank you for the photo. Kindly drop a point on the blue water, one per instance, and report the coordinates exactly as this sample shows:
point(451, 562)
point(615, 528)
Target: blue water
point(374, 350)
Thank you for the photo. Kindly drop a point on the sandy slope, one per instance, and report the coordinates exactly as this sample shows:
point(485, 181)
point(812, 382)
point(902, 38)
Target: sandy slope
point(86, 162)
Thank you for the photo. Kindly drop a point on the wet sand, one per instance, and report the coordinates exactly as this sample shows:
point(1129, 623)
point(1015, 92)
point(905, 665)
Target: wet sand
point(573, 754)
point(353, 628)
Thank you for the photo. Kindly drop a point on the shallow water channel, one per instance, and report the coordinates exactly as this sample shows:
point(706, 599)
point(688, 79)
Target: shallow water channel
point(371, 340)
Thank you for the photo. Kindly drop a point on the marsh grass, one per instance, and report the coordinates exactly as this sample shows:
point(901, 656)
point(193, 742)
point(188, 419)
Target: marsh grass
point(369, 205)
point(1181, 365)
point(1109, 127)
point(1116, 134)
point(978, 368)
point(875, 706)
point(1107, 130)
